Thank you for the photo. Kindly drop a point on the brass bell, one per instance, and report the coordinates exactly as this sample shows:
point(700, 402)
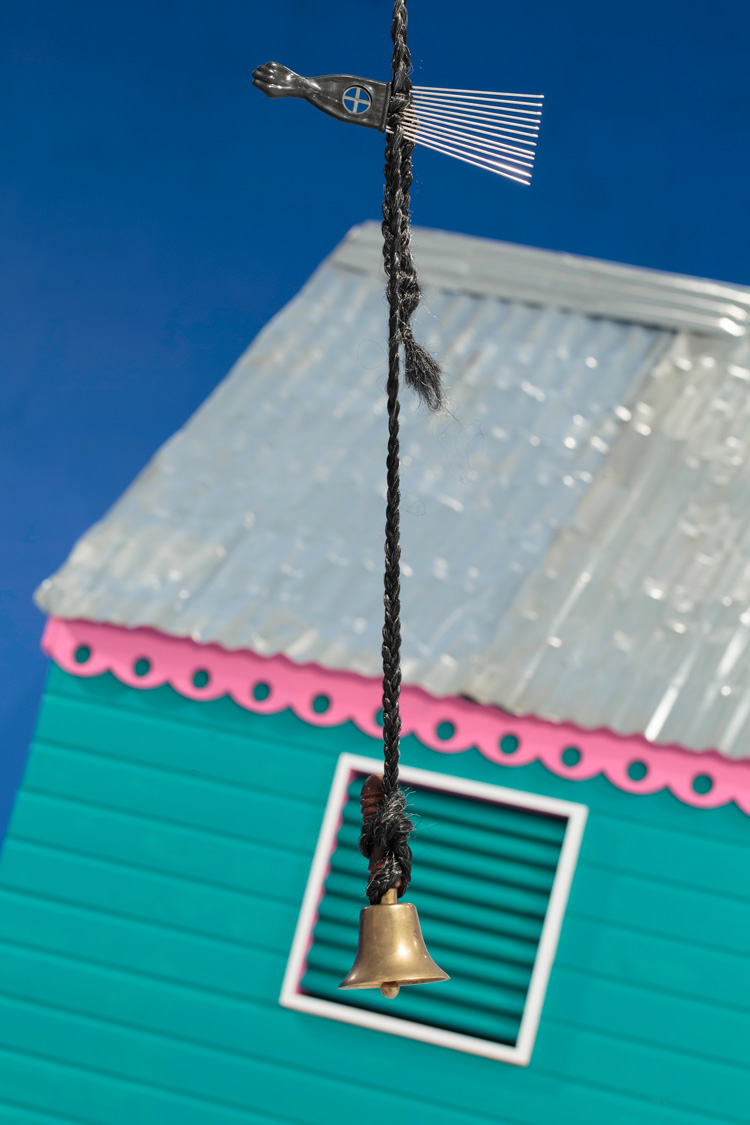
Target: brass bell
point(391, 951)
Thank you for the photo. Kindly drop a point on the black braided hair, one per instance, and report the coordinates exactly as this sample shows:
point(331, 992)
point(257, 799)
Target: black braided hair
point(389, 829)
point(421, 371)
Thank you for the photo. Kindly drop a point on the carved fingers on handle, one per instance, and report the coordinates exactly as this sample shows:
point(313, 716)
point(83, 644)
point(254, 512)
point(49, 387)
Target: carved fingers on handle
point(277, 81)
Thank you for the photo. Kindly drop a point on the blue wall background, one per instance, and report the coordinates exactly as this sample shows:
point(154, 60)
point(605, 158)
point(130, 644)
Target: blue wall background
point(155, 210)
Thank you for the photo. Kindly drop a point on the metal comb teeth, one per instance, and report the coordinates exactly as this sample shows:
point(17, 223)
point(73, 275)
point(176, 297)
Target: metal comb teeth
point(494, 131)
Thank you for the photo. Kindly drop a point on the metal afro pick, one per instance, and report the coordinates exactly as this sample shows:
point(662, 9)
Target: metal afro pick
point(497, 132)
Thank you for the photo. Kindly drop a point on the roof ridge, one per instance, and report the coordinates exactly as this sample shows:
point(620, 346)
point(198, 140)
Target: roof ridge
point(482, 267)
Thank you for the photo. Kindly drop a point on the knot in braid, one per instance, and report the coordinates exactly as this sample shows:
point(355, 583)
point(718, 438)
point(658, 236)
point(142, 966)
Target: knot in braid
point(387, 834)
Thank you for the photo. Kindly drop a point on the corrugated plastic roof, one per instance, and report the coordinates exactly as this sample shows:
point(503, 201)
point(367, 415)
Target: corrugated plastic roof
point(572, 530)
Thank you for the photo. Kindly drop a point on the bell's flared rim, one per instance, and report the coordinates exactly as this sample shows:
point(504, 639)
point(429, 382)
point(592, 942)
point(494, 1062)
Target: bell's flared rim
point(401, 983)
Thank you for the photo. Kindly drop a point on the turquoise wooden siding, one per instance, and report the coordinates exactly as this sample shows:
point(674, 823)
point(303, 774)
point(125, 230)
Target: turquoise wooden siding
point(149, 890)
point(499, 864)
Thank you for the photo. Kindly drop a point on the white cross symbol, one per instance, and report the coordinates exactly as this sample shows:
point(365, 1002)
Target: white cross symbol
point(356, 100)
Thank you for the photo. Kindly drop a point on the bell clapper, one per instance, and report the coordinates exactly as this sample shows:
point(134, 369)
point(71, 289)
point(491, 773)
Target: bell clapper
point(390, 989)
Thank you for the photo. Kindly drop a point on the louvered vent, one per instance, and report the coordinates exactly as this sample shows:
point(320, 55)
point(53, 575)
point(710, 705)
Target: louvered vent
point(483, 876)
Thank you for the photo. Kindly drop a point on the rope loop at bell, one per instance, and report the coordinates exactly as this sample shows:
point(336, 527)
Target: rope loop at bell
point(385, 839)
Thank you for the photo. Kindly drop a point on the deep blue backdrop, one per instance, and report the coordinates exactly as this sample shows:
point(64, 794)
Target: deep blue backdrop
point(156, 210)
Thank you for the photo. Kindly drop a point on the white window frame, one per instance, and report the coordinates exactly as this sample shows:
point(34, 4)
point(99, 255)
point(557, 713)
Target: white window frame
point(348, 766)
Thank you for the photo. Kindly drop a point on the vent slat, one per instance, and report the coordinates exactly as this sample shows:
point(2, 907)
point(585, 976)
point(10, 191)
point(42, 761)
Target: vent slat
point(490, 999)
point(431, 850)
point(475, 916)
point(480, 841)
point(421, 1005)
point(491, 976)
point(482, 879)
point(448, 808)
point(464, 888)
point(499, 950)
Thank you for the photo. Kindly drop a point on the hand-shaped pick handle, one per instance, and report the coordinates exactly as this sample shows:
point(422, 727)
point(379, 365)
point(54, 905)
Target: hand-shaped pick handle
point(343, 96)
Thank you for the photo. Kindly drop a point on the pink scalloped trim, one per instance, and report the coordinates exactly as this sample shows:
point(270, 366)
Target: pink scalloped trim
point(349, 697)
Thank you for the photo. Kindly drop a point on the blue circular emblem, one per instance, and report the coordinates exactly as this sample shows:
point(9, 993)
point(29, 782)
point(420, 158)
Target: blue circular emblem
point(356, 100)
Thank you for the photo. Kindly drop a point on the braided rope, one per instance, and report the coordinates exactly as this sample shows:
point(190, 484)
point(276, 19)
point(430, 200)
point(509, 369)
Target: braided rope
point(389, 829)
